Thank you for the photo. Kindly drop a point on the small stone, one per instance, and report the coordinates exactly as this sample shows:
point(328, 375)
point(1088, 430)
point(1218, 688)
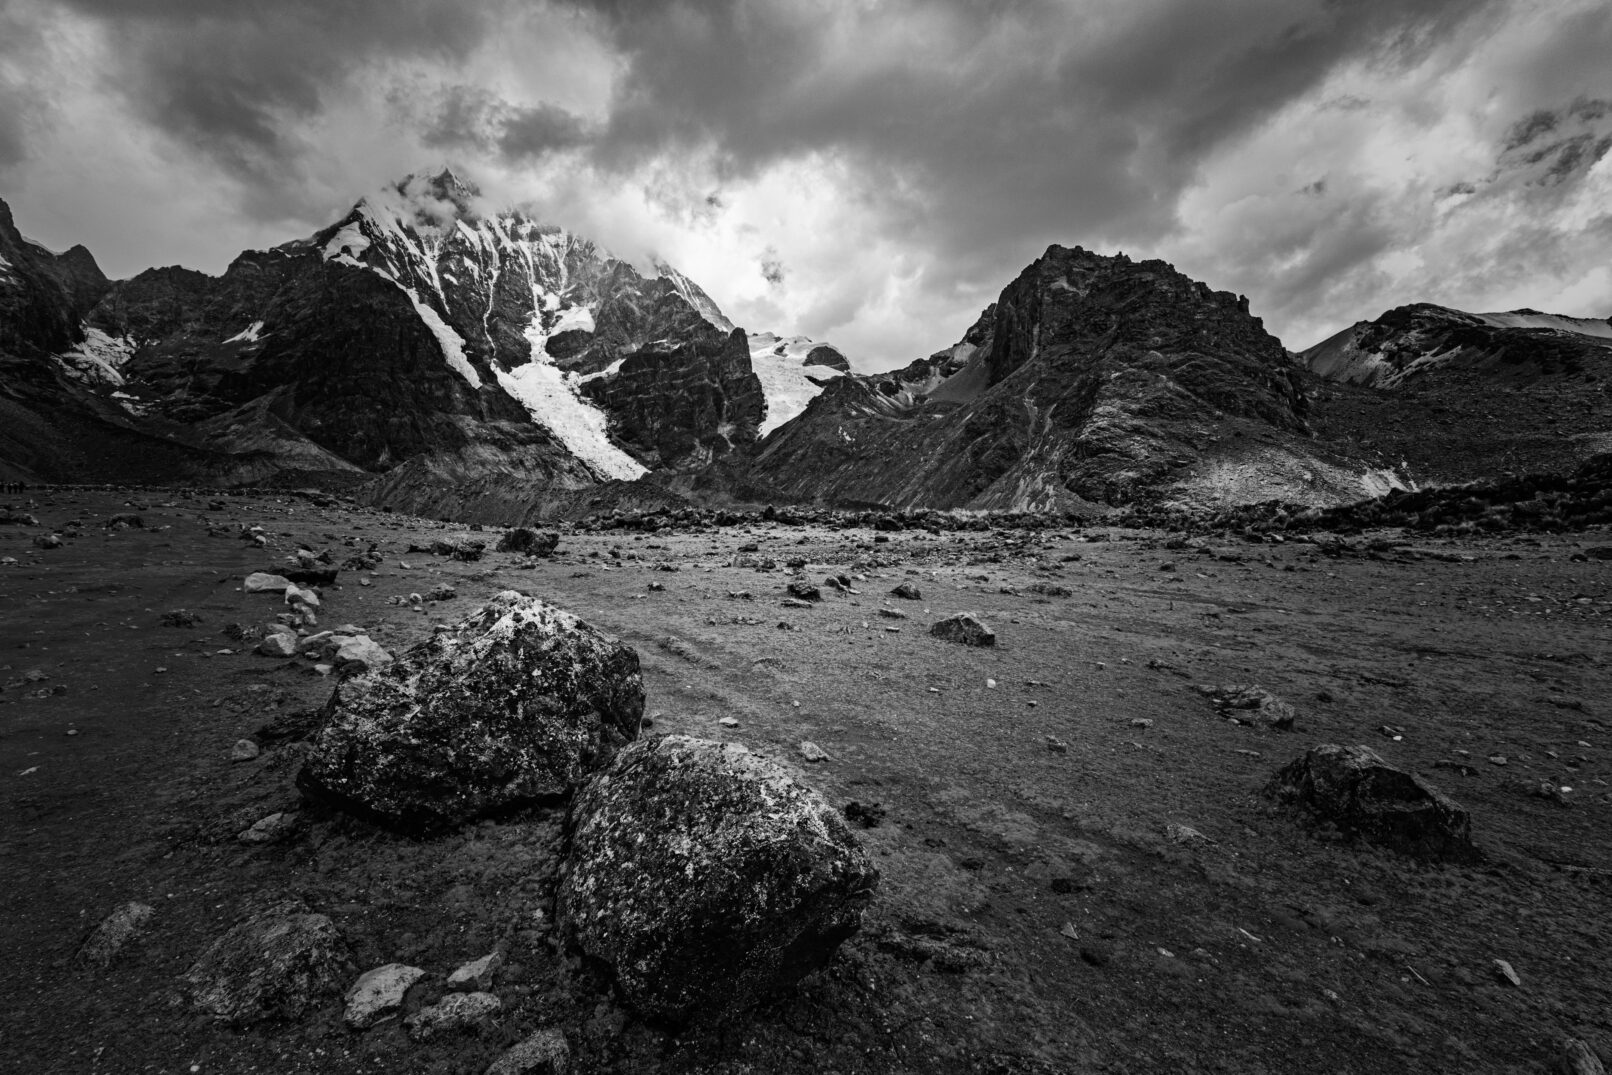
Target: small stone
point(244, 750)
point(456, 1011)
point(278, 645)
point(966, 629)
point(804, 591)
point(728, 722)
point(892, 614)
point(812, 752)
point(263, 582)
point(907, 591)
point(271, 829)
point(378, 994)
point(477, 975)
point(1056, 745)
point(1141, 722)
point(1505, 973)
point(116, 930)
point(1497, 759)
point(543, 1053)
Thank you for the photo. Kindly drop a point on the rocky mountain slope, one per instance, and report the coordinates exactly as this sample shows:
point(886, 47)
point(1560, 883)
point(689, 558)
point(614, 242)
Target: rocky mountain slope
point(1454, 396)
point(470, 357)
point(1091, 378)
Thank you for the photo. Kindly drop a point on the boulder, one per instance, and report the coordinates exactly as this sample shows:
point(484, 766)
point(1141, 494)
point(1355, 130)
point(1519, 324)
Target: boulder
point(48, 541)
point(467, 550)
point(359, 653)
point(908, 591)
point(276, 964)
point(801, 590)
point(966, 628)
point(278, 644)
point(378, 994)
point(517, 703)
point(115, 931)
point(706, 878)
point(529, 542)
point(263, 582)
point(1250, 704)
point(1364, 797)
point(542, 1053)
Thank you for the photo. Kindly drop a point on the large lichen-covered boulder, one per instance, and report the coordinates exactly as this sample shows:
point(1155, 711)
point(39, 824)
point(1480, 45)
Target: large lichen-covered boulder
point(518, 703)
point(706, 878)
point(1364, 797)
point(276, 964)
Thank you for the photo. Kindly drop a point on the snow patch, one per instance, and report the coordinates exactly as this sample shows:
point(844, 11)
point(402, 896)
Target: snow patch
point(780, 365)
point(453, 348)
point(609, 371)
point(1584, 326)
point(99, 358)
point(349, 240)
point(573, 317)
point(550, 396)
point(248, 334)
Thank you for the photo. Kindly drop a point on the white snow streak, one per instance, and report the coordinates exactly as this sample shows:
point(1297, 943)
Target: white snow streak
point(99, 358)
point(248, 334)
point(453, 348)
point(783, 377)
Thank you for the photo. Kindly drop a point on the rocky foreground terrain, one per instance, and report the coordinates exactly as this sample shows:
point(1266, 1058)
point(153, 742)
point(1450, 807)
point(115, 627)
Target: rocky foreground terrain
point(1105, 842)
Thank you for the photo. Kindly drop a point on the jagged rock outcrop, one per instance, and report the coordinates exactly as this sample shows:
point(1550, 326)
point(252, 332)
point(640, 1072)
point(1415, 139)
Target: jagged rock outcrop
point(705, 877)
point(515, 704)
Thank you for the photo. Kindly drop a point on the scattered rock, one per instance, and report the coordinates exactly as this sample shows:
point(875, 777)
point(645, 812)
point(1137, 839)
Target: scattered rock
point(477, 975)
point(263, 582)
point(529, 542)
point(907, 591)
point(1250, 704)
point(180, 617)
point(378, 994)
point(707, 878)
point(454, 1012)
point(1051, 589)
point(1353, 789)
point(278, 963)
point(965, 628)
point(803, 591)
point(465, 550)
point(517, 703)
point(1577, 1058)
point(115, 931)
point(270, 830)
point(543, 1053)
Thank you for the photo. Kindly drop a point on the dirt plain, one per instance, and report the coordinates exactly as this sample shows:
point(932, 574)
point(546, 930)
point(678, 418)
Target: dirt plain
point(1129, 903)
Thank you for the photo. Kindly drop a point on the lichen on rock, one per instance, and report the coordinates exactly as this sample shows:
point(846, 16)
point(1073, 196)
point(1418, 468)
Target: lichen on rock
point(706, 877)
point(517, 703)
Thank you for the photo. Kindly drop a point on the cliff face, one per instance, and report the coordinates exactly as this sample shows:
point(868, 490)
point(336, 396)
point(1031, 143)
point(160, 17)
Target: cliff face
point(1090, 378)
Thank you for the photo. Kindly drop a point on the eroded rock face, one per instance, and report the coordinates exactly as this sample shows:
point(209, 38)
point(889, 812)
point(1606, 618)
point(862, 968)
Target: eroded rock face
point(1365, 797)
point(275, 964)
point(706, 877)
point(517, 703)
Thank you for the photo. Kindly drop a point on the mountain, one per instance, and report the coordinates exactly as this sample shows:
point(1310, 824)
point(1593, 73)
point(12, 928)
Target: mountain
point(1456, 396)
point(1091, 378)
point(454, 357)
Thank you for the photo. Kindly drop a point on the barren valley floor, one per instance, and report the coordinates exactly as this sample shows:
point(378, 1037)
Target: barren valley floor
point(1130, 902)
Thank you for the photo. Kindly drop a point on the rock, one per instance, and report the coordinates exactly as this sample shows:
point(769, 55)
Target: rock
point(477, 975)
point(456, 1011)
point(180, 617)
point(1505, 973)
point(1056, 745)
point(801, 590)
point(529, 542)
point(378, 994)
point(908, 591)
point(707, 878)
point(441, 592)
point(795, 602)
point(270, 830)
point(517, 703)
point(812, 752)
point(1577, 1058)
point(296, 595)
point(892, 614)
point(466, 550)
point(965, 628)
point(543, 1053)
point(278, 644)
point(310, 576)
point(263, 582)
point(243, 750)
point(1250, 704)
point(277, 964)
point(360, 653)
point(115, 931)
point(1363, 796)
point(48, 541)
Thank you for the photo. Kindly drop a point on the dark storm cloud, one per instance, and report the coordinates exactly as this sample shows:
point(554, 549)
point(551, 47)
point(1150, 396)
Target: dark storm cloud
point(240, 81)
point(470, 117)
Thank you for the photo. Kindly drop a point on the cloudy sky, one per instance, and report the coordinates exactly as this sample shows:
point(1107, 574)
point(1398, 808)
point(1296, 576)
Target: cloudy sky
point(871, 172)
